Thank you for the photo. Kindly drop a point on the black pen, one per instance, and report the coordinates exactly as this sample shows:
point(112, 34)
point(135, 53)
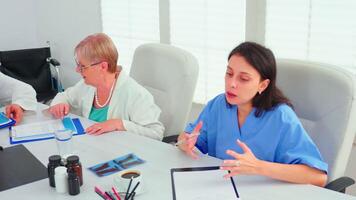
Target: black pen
point(133, 196)
point(112, 196)
point(109, 196)
point(128, 189)
point(133, 191)
point(100, 195)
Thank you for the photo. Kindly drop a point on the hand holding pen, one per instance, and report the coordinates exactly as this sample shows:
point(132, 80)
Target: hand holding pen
point(186, 142)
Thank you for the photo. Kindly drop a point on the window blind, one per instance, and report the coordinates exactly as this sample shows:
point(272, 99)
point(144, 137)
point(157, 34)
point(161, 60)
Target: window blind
point(208, 29)
point(130, 23)
point(314, 30)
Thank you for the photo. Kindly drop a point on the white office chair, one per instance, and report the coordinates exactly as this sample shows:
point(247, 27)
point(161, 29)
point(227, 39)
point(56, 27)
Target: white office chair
point(170, 74)
point(324, 99)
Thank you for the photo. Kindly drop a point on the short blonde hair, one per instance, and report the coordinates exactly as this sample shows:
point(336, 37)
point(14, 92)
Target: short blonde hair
point(98, 47)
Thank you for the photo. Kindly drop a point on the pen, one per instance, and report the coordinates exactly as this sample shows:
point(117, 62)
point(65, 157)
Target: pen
point(112, 195)
point(128, 189)
point(100, 195)
point(116, 193)
point(109, 196)
point(133, 196)
point(99, 191)
point(186, 140)
point(133, 191)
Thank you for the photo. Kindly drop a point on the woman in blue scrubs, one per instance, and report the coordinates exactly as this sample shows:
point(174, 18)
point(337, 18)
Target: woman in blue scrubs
point(252, 126)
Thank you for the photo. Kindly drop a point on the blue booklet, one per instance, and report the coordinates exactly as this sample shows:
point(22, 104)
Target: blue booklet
point(5, 122)
point(44, 130)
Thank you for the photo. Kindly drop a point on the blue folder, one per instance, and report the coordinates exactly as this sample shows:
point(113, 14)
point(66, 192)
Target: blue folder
point(73, 124)
point(5, 122)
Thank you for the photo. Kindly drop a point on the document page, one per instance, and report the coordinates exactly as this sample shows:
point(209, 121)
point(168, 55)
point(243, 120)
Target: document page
point(36, 129)
point(203, 185)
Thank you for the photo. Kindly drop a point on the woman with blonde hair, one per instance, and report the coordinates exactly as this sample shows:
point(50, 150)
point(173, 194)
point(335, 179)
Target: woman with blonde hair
point(106, 94)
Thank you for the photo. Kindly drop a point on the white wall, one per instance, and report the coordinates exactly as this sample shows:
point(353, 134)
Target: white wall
point(18, 24)
point(63, 23)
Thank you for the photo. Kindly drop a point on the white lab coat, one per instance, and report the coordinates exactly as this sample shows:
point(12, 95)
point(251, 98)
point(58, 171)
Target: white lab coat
point(17, 92)
point(130, 102)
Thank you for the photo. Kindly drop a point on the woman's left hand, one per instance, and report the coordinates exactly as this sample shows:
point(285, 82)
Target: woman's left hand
point(104, 127)
point(245, 163)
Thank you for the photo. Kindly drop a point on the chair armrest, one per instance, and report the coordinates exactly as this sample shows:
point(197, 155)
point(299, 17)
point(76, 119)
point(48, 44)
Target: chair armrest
point(54, 62)
point(340, 184)
point(170, 139)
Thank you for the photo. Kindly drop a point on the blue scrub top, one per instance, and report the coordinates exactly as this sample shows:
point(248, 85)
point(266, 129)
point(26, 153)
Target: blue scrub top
point(276, 136)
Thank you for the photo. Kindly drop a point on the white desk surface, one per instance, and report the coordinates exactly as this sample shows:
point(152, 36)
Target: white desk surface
point(159, 157)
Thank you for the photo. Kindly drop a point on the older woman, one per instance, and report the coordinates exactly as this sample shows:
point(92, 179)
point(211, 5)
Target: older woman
point(106, 94)
point(253, 127)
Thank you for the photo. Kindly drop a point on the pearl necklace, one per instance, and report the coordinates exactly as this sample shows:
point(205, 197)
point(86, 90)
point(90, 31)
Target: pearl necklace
point(109, 97)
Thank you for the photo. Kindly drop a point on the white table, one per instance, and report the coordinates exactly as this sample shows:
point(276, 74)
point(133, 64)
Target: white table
point(159, 157)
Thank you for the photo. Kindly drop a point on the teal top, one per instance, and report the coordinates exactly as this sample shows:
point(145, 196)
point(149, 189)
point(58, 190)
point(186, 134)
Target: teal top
point(99, 114)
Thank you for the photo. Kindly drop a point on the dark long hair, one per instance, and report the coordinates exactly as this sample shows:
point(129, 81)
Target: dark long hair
point(263, 60)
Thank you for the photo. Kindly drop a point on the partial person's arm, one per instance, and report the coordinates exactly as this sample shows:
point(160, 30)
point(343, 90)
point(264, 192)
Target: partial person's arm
point(71, 95)
point(19, 95)
point(144, 118)
point(247, 163)
point(16, 92)
point(64, 101)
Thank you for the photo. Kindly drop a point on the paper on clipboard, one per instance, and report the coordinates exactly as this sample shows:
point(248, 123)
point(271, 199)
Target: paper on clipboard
point(202, 183)
point(44, 130)
point(36, 129)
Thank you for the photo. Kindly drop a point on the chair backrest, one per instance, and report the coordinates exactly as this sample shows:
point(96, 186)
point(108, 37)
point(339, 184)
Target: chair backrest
point(30, 66)
point(170, 75)
point(324, 99)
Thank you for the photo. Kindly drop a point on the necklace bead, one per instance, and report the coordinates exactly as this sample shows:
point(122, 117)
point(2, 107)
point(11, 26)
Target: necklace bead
point(109, 97)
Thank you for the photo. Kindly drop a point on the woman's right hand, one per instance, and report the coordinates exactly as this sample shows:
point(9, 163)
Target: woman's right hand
point(186, 142)
point(60, 110)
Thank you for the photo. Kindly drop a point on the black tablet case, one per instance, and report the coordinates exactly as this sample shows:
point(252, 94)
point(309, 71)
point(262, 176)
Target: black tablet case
point(18, 166)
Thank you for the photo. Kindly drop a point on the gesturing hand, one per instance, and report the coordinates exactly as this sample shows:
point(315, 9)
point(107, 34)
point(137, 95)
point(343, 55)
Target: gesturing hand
point(245, 163)
point(186, 142)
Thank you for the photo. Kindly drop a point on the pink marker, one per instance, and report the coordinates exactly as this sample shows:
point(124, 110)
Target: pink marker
point(98, 190)
point(116, 193)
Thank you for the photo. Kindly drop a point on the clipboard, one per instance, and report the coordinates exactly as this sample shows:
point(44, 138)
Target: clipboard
point(5, 121)
point(18, 167)
point(73, 124)
point(202, 183)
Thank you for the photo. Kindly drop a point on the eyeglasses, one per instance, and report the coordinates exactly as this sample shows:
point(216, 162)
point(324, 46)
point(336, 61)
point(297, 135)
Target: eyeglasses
point(81, 67)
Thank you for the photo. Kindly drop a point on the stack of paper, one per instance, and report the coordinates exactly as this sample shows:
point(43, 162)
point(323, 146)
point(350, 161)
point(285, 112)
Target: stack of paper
point(44, 130)
point(39, 129)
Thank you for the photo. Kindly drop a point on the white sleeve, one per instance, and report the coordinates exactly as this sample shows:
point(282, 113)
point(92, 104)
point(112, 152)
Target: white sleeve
point(71, 95)
point(17, 92)
point(144, 118)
